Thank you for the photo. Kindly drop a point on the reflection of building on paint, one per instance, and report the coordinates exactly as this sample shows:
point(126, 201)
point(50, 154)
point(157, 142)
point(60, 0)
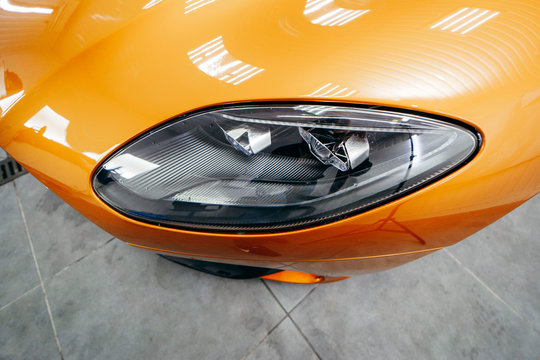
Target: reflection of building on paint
point(6, 5)
point(55, 125)
point(192, 5)
point(3, 85)
point(11, 89)
point(327, 13)
point(332, 90)
point(465, 20)
point(10, 82)
point(213, 59)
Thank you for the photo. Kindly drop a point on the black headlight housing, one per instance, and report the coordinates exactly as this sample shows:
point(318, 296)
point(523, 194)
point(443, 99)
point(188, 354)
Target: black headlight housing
point(279, 166)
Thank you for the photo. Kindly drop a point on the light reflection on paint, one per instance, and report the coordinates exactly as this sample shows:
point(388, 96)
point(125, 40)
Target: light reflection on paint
point(7, 6)
point(327, 13)
point(151, 4)
point(192, 5)
point(8, 102)
point(55, 125)
point(332, 90)
point(92, 155)
point(213, 59)
point(315, 109)
point(128, 166)
point(465, 20)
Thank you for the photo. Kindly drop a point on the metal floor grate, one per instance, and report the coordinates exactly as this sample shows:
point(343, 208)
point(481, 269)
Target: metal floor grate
point(10, 170)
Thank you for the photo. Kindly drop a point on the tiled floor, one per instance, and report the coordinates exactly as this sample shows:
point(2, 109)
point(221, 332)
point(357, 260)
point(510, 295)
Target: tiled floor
point(69, 289)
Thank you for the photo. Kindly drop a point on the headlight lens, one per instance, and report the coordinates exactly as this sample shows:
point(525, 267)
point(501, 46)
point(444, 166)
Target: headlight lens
point(277, 167)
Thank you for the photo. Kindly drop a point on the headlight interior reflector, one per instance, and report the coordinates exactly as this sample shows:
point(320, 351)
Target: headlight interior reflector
point(277, 167)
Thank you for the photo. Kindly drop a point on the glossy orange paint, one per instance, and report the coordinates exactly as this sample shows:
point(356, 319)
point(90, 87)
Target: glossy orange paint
point(92, 76)
point(296, 277)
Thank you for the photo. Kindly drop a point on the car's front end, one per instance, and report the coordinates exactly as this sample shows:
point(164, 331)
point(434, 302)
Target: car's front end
point(320, 137)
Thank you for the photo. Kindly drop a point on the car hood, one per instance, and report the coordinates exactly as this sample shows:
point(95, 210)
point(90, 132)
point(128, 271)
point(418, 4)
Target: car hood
point(162, 58)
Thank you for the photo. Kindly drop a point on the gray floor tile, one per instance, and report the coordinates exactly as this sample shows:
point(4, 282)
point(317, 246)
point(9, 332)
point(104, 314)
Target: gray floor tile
point(428, 309)
point(289, 295)
point(285, 342)
point(60, 234)
point(26, 331)
point(124, 303)
point(17, 271)
point(506, 256)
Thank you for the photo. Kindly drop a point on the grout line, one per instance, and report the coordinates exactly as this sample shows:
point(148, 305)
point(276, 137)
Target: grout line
point(57, 273)
point(292, 320)
point(272, 329)
point(298, 327)
point(305, 337)
point(304, 298)
point(19, 297)
point(279, 302)
point(489, 289)
point(80, 259)
point(38, 271)
point(274, 296)
point(253, 348)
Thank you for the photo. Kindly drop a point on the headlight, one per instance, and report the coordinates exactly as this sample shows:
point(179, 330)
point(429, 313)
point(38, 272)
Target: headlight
point(277, 167)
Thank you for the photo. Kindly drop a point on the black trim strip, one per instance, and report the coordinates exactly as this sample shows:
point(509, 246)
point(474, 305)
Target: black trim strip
point(229, 271)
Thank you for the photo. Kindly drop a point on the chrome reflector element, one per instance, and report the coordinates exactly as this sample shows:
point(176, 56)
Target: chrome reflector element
point(344, 155)
point(247, 138)
point(276, 167)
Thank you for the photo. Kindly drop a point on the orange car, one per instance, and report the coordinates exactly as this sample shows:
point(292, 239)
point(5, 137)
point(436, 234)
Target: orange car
point(300, 141)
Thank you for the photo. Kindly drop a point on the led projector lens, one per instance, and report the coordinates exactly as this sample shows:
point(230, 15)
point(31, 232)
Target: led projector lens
point(268, 168)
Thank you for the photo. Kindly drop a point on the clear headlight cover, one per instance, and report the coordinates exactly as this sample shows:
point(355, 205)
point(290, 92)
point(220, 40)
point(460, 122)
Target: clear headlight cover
point(273, 167)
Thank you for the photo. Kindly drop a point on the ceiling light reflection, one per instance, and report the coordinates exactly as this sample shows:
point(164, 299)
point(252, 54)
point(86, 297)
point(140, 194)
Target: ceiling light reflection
point(151, 4)
point(475, 25)
point(53, 125)
point(7, 102)
point(128, 166)
point(213, 59)
point(7, 6)
point(332, 90)
point(327, 13)
point(92, 155)
point(192, 5)
point(315, 109)
point(464, 20)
